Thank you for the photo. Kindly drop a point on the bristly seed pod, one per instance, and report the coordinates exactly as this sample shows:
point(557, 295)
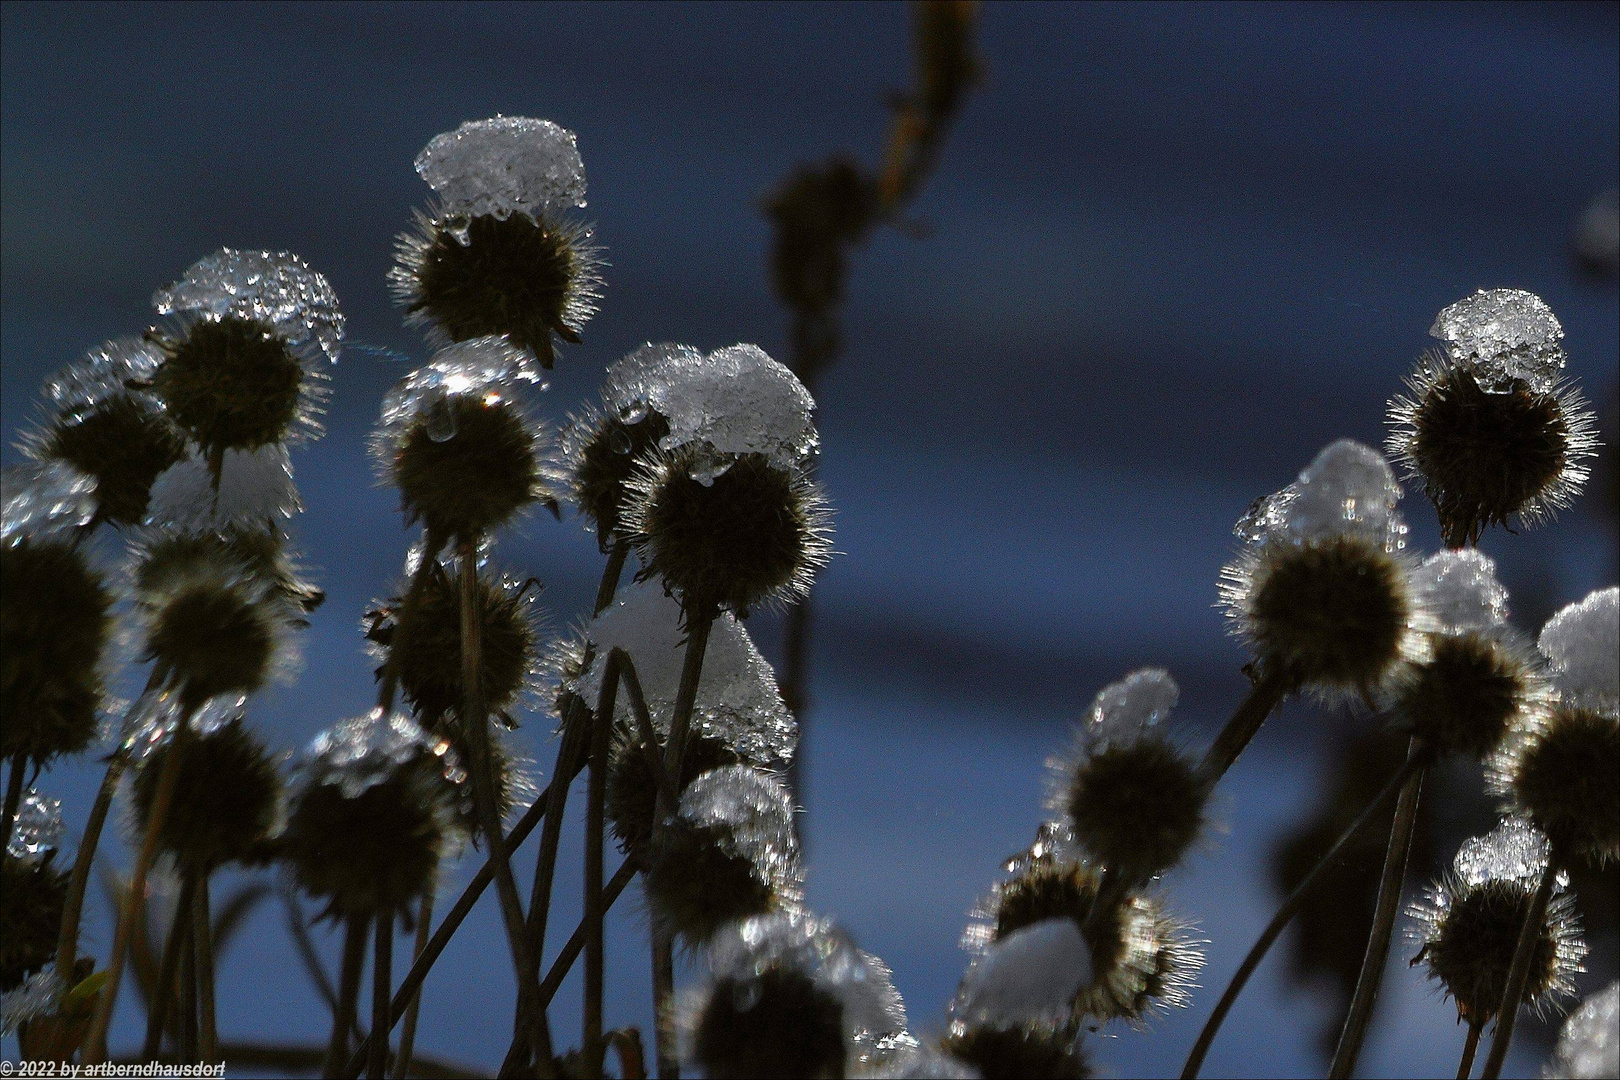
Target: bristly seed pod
point(730, 534)
point(31, 898)
point(632, 789)
point(1468, 925)
point(779, 1024)
point(1490, 427)
point(227, 802)
point(164, 556)
point(497, 256)
point(1025, 1052)
point(372, 814)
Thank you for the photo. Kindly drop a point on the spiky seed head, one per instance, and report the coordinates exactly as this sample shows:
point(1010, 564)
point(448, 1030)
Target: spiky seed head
point(632, 790)
point(426, 649)
point(124, 442)
point(1332, 613)
point(230, 384)
point(55, 614)
point(1490, 451)
point(1030, 1052)
point(165, 556)
point(602, 450)
point(31, 899)
point(1472, 690)
point(475, 479)
point(372, 814)
point(1137, 805)
point(1565, 774)
point(227, 799)
point(778, 1024)
point(531, 278)
point(514, 785)
point(749, 533)
point(1469, 933)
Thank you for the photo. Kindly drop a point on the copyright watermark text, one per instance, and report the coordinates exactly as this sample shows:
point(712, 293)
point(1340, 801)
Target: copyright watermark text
point(109, 1069)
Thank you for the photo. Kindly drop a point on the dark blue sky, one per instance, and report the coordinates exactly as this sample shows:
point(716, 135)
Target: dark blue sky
point(1171, 252)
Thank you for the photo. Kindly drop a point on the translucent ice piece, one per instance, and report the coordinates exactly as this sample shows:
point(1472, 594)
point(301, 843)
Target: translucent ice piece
point(756, 816)
point(157, 714)
point(36, 997)
point(1515, 850)
point(363, 751)
point(1582, 641)
point(1030, 976)
point(737, 401)
point(273, 287)
point(43, 499)
point(1124, 710)
point(1589, 1046)
point(1461, 591)
point(104, 372)
point(629, 381)
point(504, 165)
point(1349, 488)
point(256, 488)
point(36, 829)
point(1509, 333)
point(1265, 515)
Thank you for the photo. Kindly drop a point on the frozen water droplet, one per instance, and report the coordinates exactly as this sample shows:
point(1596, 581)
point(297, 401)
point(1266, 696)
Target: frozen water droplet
point(1515, 850)
point(634, 413)
point(1461, 591)
point(1031, 976)
point(504, 165)
point(37, 997)
point(361, 752)
point(36, 829)
point(1126, 709)
point(1508, 333)
point(1265, 515)
point(707, 470)
point(619, 440)
point(1582, 642)
point(104, 372)
point(40, 500)
point(441, 421)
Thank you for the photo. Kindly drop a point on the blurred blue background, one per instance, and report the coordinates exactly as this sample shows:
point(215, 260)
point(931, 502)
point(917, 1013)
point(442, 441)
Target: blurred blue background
point(1171, 252)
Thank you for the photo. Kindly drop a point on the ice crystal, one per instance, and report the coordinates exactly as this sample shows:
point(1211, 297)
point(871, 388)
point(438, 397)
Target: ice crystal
point(254, 488)
point(43, 499)
point(628, 386)
point(1349, 488)
point(104, 372)
point(753, 814)
point(1507, 334)
point(366, 750)
point(1589, 1046)
point(503, 166)
point(1461, 591)
point(1032, 975)
point(737, 699)
point(36, 997)
point(36, 829)
point(1266, 515)
point(1126, 709)
point(1582, 643)
point(275, 288)
point(151, 722)
point(489, 368)
point(912, 1061)
point(1515, 850)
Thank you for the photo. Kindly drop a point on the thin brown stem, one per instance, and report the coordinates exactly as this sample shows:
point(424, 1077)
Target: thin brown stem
point(663, 985)
point(1264, 696)
point(1519, 972)
point(188, 991)
point(95, 1043)
point(348, 997)
point(163, 991)
point(1383, 927)
point(611, 574)
point(595, 827)
point(14, 786)
point(576, 941)
point(203, 931)
point(382, 976)
point(407, 1027)
point(67, 944)
point(644, 725)
point(1470, 1048)
point(1285, 915)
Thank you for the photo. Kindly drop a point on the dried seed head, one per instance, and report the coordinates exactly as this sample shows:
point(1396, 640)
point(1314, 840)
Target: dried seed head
point(632, 789)
point(164, 557)
point(778, 1024)
point(372, 814)
point(602, 449)
point(1564, 773)
point(31, 899)
point(1026, 1052)
point(227, 800)
point(1468, 925)
point(1473, 689)
point(730, 534)
point(230, 384)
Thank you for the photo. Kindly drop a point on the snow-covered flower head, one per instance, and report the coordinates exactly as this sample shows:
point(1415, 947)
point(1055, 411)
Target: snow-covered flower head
point(95, 418)
point(457, 439)
point(1480, 680)
point(37, 829)
point(44, 500)
point(1320, 589)
point(1589, 1046)
point(1133, 801)
point(372, 813)
point(1489, 424)
point(498, 253)
point(729, 852)
point(788, 994)
point(1562, 769)
point(1139, 957)
point(1467, 924)
point(246, 350)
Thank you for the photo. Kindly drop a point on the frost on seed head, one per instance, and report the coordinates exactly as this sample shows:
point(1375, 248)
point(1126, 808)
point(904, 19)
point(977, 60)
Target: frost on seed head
point(631, 381)
point(1031, 975)
point(366, 750)
point(755, 813)
point(37, 828)
point(909, 1060)
point(104, 372)
point(152, 721)
point(1506, 334)
point(43, 499)
point(254, 488)
point(737, 700)
point(1582, 645)
point(1348, 489)
point(503, 166)
point(1589, 1046)
point(273, 288)
point(1461, 591)
point(1124, 711)
point(1515, 850)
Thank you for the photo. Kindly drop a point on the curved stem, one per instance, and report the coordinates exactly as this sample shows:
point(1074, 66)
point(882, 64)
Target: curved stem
point(95, 1043)
point(1285, 915)
point(188, 991)
point(407, 1027)
point(382, 962)
point(1264, 696)
point(354, 958)
point(163, 991)
point(1470, 1047)
point(67, 944)
point(1401, 831)
point(1519, 973)
point(203, 931)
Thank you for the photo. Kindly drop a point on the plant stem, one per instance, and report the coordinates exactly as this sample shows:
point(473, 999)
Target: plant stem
point(1470, 1047)
point(1519, 973)
point(95, 1043)
point(14, 786)
point(1285, 915)
point(188, 990)
point(67, 945)
point(570, 758)
point(1264, 696)
point(595, 826)
point(432, 544)
point(644, 724)
point(610, 575)
point(382, 977)
point(203, 931)
point(163, 991)
point(1383, 927)
point(354, 958)
point(477, 731)
point(407, 1028)
point(698, 624)
point(663, 984)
